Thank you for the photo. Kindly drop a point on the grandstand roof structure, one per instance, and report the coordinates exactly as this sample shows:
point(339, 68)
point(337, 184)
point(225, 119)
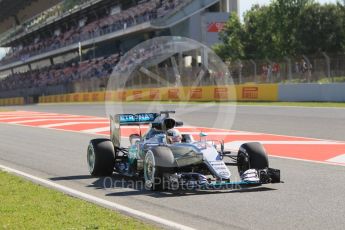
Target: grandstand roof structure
point(10, 7)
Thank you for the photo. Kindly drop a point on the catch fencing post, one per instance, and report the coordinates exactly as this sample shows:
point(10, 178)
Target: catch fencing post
point(228, 63)
point(328, 63)
point(239, 63)
point(269, 71)
point(288, 60)
point(255, 73)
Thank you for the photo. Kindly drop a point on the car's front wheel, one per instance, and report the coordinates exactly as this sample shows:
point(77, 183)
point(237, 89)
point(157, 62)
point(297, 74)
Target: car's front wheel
point(251, 156)
point(151, 172)
point(157, 161)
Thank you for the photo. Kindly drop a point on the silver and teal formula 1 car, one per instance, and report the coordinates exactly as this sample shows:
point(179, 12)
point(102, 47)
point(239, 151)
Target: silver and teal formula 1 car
point(184, 163)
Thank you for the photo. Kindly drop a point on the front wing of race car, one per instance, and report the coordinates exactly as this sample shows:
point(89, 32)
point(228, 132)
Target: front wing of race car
point(199, 181)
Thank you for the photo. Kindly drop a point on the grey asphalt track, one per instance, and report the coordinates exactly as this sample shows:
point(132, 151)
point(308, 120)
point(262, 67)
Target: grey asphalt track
point(312, 196)
point(323, 123)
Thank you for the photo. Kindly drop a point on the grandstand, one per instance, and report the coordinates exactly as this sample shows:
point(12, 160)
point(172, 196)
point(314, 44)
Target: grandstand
point(60, 46)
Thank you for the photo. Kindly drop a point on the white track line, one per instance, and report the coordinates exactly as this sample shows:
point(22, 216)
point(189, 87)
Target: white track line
point(97, 200)
point(271, 134)
point(338, 159)
point(280, 135)
point(235, 150)
point(97, 130)
point(305, 160)
point(31, 117)
point(223, 133)
point(29, 114)
point(73, 123)
point(58, 119)
point(237, 144)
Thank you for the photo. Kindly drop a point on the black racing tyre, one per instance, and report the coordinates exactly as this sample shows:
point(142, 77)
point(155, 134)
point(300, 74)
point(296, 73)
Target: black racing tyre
point(251, 156)
point(158, 160)
point(101, 157)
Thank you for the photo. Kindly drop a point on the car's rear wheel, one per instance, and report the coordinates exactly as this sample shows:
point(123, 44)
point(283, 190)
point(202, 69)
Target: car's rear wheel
point(251, 156)
point(101, 157)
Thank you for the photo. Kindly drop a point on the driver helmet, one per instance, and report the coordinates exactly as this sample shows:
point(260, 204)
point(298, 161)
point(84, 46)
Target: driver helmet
point(174, 136)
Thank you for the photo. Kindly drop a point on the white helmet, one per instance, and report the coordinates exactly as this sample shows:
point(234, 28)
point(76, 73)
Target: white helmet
point(174, 136)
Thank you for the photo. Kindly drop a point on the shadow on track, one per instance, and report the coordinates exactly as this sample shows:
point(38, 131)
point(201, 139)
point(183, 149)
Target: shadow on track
point(76, 177)
point(178, 193)
point(126, 186)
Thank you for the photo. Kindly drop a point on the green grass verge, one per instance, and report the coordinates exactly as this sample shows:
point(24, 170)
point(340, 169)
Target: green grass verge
point(335, 80)
point(323, 80)
point(24, 205)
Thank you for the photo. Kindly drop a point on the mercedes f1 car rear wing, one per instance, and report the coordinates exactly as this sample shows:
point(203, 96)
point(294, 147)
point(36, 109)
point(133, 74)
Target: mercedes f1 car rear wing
point(160, 121)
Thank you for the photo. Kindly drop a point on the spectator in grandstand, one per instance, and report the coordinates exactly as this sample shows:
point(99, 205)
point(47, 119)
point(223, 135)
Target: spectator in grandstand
point(56, 75)
point(145, 11)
